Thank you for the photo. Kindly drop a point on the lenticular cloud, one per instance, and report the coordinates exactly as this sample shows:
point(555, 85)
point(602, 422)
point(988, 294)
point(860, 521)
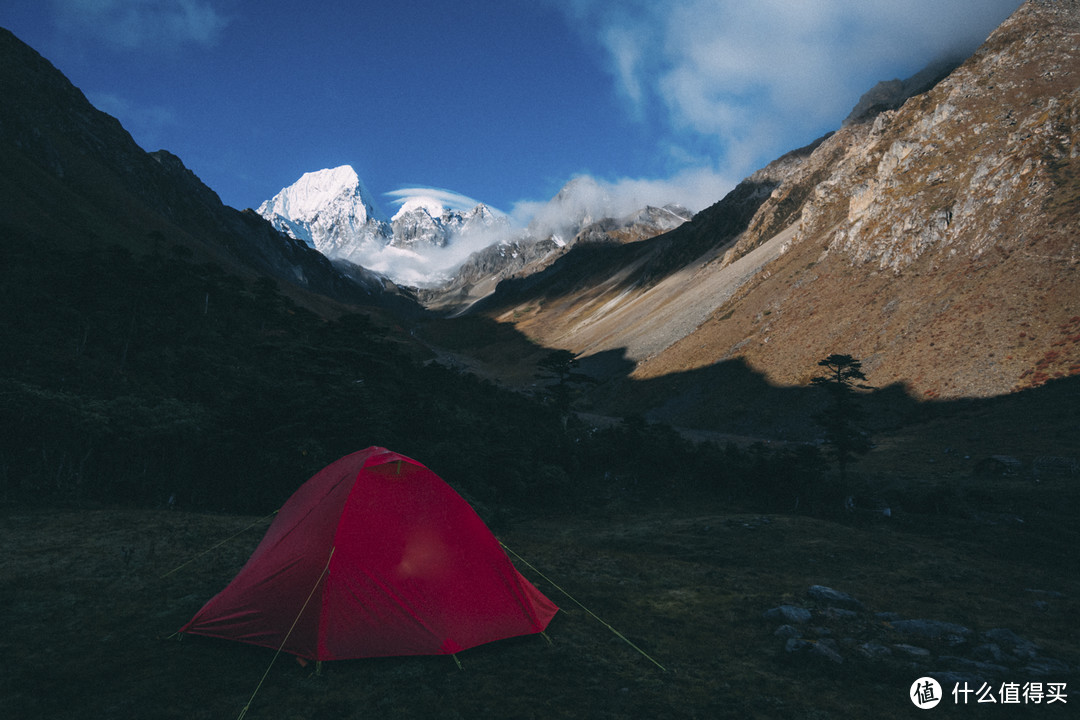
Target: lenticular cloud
point(446, 198)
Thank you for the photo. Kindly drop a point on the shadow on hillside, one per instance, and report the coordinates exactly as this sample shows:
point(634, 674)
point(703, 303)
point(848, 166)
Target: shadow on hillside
point(1031, 426)
point(730, 397)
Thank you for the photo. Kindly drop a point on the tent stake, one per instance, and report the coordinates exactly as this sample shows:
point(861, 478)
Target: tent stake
point(459, 665)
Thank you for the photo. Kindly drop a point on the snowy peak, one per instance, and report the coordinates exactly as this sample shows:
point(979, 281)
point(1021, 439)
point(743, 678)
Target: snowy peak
point(331, 211)
point(432, 232)
point(424, 220)
point(422, 203)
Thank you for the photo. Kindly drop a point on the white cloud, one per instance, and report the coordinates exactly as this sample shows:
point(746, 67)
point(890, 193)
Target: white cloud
point(749, 76)
point(447, 198)
point(137, 24)
point(427, 265)
point(590, 198)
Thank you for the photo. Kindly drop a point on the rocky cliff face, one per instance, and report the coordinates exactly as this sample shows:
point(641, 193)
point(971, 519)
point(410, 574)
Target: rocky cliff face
point(937, 241)
point(972, 166)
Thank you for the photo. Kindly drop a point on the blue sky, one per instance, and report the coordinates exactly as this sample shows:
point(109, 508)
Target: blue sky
point(503, 101)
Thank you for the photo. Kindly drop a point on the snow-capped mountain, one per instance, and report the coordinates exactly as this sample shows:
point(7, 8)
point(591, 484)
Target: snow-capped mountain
point(424, 221)
point(331, 211)
point(429, 241)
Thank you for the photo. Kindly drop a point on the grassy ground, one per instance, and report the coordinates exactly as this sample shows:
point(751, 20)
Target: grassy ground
point(88, 618)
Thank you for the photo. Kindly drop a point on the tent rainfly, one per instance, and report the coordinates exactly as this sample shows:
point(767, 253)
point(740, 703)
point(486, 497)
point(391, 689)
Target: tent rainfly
point(375, 556)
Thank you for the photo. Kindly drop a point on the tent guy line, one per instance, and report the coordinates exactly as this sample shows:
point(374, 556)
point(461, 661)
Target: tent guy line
point(215, 547)
point(576, 602)
point(311, 594)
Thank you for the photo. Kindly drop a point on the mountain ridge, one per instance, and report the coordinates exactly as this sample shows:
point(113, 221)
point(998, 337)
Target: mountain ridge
point(953, 216)
point(70, 173)
point(443, 248)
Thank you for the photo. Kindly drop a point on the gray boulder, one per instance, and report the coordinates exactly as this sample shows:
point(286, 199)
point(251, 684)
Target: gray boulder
point(788, 614)
point(834, 598)
point(821, 650)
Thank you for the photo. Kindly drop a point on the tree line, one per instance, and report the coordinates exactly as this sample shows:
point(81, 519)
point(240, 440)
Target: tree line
point(152, 379)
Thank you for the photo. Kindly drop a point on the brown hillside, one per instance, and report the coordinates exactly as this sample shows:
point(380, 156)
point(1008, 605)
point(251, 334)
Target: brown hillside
point(937, 242)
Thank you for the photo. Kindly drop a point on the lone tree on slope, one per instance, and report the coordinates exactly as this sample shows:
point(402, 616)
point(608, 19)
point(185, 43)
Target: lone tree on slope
point(561, 365)
point(838, 419)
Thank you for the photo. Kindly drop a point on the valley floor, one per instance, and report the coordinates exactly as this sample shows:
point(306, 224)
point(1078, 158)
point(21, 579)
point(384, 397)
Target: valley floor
point(89, 611)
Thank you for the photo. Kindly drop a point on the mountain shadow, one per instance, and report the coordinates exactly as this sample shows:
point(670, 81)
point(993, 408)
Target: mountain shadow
point(1036, 426)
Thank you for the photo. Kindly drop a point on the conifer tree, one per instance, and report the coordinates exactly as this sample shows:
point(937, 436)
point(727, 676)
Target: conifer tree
point(843, 438)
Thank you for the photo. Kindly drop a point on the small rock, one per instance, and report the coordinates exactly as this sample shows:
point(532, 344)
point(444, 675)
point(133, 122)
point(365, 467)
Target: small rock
point(912, 650)
point(828, 653)
point(834, 597)
point(966, 664)
point(873, 650)
point(794, 645)
point(952, 679)
point(834, 613)
point(989, 652)
point(1011, 643)
point(1045, 667)
point(788, 613)
point(951, 633)
point(817, 650)
point(830, 643)
point(1047, 593)
point(787, 631)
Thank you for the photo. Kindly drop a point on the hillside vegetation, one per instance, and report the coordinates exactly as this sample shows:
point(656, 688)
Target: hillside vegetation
point(153, 379)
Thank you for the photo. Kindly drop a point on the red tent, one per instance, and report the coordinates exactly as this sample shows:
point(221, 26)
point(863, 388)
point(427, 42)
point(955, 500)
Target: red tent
point(373, 556)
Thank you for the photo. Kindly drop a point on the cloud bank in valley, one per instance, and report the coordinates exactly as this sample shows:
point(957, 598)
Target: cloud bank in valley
point(588, 198)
